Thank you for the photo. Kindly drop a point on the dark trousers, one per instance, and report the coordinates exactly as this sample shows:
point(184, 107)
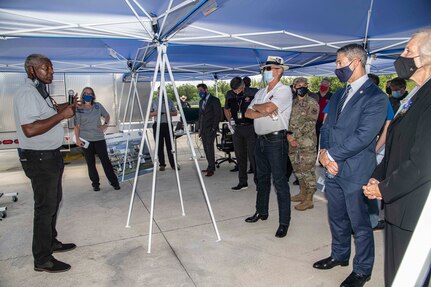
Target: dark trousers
point(271, 155)
point(347, 211)
point(208, 139)
point(373, 210)
point(99, 148)
point(396, 242)
point(45, 170)
point(318, 126)
point(289, 168)
point(244, 142)
point(164, 138)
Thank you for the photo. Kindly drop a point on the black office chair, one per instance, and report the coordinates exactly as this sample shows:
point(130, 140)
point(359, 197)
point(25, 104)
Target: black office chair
point(225, 145)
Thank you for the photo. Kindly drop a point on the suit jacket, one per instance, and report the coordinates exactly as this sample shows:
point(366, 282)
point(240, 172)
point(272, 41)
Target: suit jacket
point(210, 117)
point(405, 171)
point(351, 140)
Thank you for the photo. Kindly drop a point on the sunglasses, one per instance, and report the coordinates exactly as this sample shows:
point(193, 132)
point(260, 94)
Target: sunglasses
point(269, 68)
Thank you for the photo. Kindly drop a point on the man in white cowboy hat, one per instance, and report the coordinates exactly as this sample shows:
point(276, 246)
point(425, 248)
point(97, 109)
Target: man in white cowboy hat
point(184, 103)
point(270, 109)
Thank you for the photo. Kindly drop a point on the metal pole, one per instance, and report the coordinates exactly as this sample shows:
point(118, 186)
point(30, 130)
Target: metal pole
point(144, 138)
point(177, 97)
point(130, 124)
point(156, 157)
point(171, 134)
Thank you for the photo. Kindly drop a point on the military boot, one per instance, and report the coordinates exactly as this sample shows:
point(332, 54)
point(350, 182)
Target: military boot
point(301, 195)
point(305, 204)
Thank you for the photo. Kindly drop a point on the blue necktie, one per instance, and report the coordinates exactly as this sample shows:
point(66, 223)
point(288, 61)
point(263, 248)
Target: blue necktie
point(343, 100)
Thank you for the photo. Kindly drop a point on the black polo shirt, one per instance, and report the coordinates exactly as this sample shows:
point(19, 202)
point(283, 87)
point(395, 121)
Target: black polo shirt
point(238, 103)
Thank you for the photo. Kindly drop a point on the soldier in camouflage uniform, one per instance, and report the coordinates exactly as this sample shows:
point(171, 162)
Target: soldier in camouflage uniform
point(302, 143)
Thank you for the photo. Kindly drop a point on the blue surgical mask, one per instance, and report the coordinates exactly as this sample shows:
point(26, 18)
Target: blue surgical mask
point(267, 76)
point(202, 95)
point(87, 98)
point(344, 73)
point(396, 94)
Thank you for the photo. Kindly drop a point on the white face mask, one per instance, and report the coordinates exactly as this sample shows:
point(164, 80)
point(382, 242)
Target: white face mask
point(267, 76)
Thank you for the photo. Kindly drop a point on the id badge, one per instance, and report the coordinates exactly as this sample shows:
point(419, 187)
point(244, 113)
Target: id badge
point(239, 115)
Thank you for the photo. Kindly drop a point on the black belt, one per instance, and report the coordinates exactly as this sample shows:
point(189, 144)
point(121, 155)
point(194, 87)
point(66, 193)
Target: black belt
point(38, 154)
point(244, 124)
point(281, 133)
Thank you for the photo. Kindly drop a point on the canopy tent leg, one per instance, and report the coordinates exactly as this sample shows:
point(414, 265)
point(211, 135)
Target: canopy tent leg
point(162, 63)
point(144, 138)
point(192, 149)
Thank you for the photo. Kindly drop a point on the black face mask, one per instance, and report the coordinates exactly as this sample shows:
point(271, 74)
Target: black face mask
point(388, 91)
point(40, 86)
point(405, 67)
point(302, 91)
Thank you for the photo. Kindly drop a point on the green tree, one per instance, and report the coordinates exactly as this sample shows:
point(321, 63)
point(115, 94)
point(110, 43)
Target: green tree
point(256, 83)
point(314, 83)
point(223, 88)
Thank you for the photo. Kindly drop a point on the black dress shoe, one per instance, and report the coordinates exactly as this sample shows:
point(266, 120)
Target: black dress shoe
point(209, 173)
point(281, 231)
point(52, 266)
point(96, 188)
point(62, 247)
point(250, 171)
point(355, 280)
point(234, 169)
point(256, 217)
point(296, 182)
point(117, 187)
point(329, 263)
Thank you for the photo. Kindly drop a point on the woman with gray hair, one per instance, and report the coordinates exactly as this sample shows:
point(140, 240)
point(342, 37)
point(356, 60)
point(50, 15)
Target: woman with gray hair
point(403, 179)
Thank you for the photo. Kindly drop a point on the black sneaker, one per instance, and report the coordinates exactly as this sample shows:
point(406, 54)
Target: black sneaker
point(62, 247)
point(96, 188)
point(240, 186)
point(52, 266)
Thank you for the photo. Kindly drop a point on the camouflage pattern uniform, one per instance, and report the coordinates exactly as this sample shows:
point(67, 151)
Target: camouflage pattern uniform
point(303, 157)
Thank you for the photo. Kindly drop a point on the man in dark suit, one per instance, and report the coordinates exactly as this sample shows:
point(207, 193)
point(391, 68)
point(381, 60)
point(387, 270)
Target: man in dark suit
point(210, 114)
point(348, 139)
point(403, 179)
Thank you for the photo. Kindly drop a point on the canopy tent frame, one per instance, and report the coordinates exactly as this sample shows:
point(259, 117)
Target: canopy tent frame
point(161, 64)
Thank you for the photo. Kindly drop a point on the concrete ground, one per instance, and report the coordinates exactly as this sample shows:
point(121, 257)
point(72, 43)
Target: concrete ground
point(185, 251)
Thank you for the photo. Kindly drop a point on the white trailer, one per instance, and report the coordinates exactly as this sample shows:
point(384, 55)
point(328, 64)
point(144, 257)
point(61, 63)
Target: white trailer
point(109, 88)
